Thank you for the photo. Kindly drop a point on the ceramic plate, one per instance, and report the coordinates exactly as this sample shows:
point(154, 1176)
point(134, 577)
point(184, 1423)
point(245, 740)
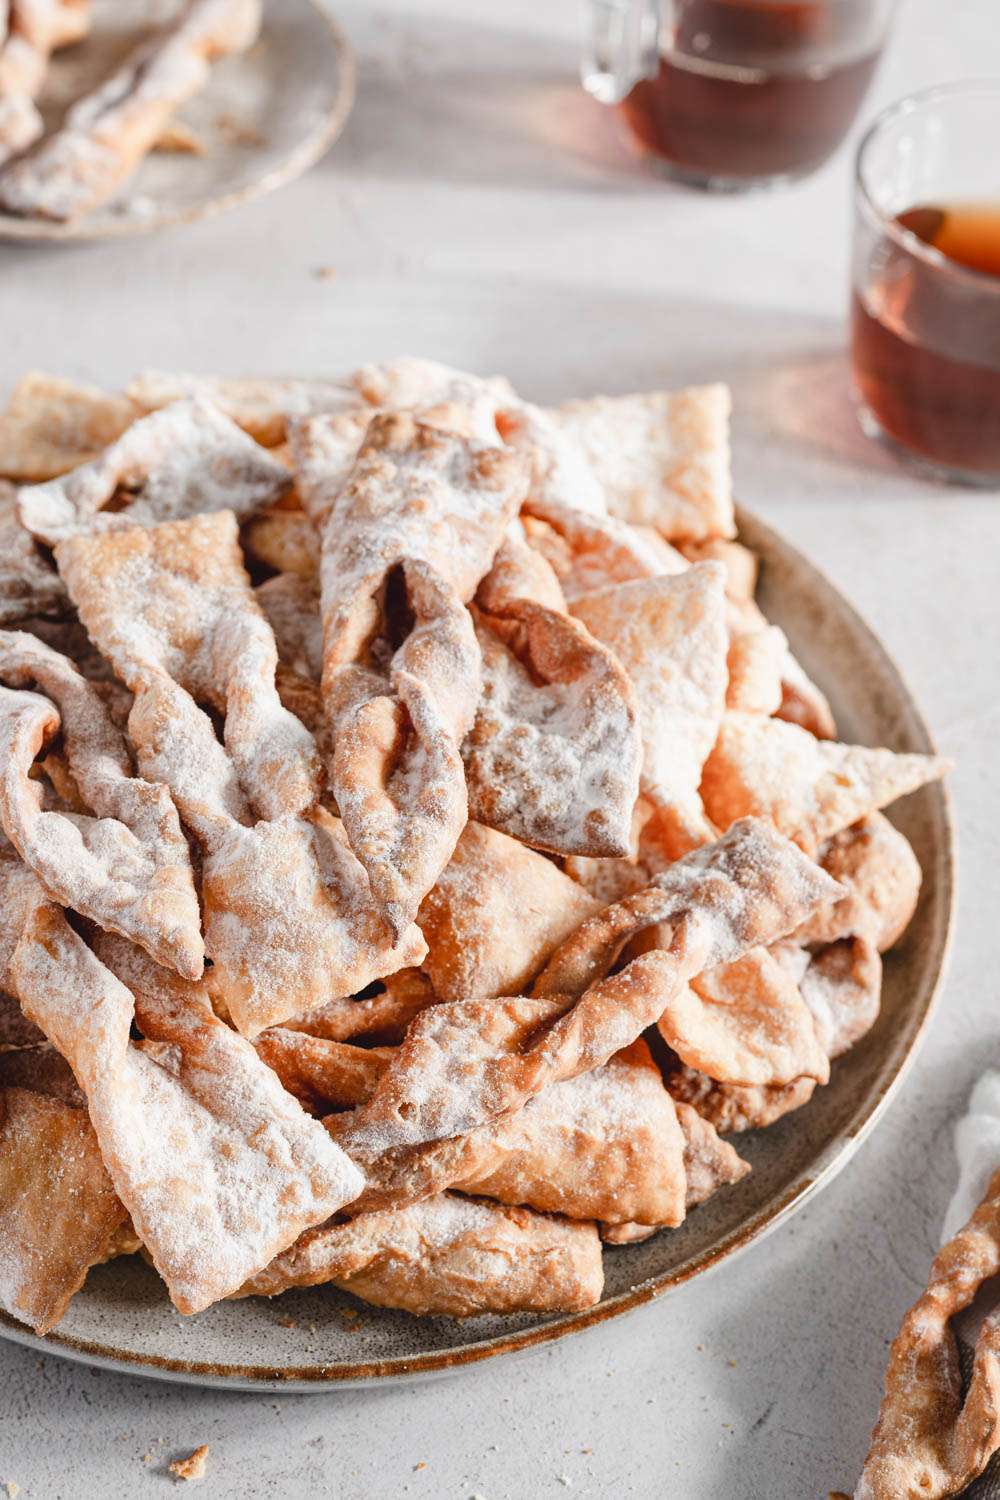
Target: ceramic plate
point(310, 1340)
point(263, 118)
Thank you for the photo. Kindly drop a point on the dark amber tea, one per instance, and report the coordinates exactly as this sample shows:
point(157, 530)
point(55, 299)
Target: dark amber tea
point(751, 89)
point(926, 336)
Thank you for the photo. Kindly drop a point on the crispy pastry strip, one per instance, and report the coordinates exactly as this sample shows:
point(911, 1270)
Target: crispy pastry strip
point(710, 1163)
point(286, 540)
point(106, 134)
point(928, 1440)
point(179, 462)
point(496, 914)
point(745, 1023)
point(59, 1211)
point(51, 425)
point(809, 789)
point(466, 1062)
point(219, 1168)
point(590, 552)
point(448, 1256)
point(670, 636)
point(383, 1016)
point(263, 406)
point(30, 30)
point(881, 877)
point(659, 459)
point(128, 868)
point(554, 754)
point(406, 541)
point(287, 908)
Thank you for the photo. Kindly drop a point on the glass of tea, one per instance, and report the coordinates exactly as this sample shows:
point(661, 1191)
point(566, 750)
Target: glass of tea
point(925, 318)
point(734, 94)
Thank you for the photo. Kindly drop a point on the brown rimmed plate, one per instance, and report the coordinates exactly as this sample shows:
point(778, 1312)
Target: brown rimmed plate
point(263, 118)
point(312, 1340)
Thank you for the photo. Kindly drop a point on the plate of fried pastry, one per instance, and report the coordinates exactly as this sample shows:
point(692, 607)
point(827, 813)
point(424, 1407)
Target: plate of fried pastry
point(455, 882)
point(117, 119)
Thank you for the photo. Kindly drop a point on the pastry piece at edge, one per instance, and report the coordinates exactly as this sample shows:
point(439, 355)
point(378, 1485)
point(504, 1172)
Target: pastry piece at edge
point(288, 915)
point(932, 1438)
point(105, 135)
point(660, 458)
point(449, 1256)
point(29, 584)
point(746, 1023)
point(219, 1168)
point(59, 1212)
point(182, 461)
point(262, 405)
point(404, 545)
point(30, 31)
point(466, 1062)
point(51, 425)
point(553, 757)
point(809, 789)
point(710, 1163)
point(670, 636)
point(495, 915)
point(881, 876)
point(128, 868)
point(589, 552)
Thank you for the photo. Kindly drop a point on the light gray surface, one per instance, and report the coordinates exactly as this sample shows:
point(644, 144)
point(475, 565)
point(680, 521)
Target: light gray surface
point(478, 209)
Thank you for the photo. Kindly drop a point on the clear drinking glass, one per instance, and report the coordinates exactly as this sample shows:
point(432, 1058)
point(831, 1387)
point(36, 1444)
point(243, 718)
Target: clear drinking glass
point(925, 318)
point(733, 94)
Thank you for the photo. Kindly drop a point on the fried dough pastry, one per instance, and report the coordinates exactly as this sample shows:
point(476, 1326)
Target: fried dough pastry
point(660, 459)
point(553, 756)
point(128, 868)
point(218, 1167)
point(746, 1023)
point(710, 1163)
point(842, 986)
point(755, 663)
point(448, 1256)
point(51, 425)
point(291, 605)
point(594, 552)
point(58, 1208)
point(809, 789)
point(497, 912)
point(399, 384)
point(733, 1107)
point(465, 1062)
point(604, 1145)
point(285, 540)
point(881, 877)
point(105, 135)
point(29, 584)
point(670, 636)
point(742, 566)
point(322, 1074)
point(179, 462)
point(404, 546)
point(383, 1016)
point(30, 31)
point(288, 918)
point(929, 1440)
point(263, 406)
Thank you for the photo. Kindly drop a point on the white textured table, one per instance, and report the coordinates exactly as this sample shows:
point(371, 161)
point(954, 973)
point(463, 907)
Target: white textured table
point(479, 210)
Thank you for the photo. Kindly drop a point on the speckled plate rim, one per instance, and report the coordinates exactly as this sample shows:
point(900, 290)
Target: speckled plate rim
point(830, 1159)
point(296, 164)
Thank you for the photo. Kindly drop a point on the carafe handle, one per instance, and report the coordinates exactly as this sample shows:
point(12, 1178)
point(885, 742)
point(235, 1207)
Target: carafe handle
point(620, 46)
